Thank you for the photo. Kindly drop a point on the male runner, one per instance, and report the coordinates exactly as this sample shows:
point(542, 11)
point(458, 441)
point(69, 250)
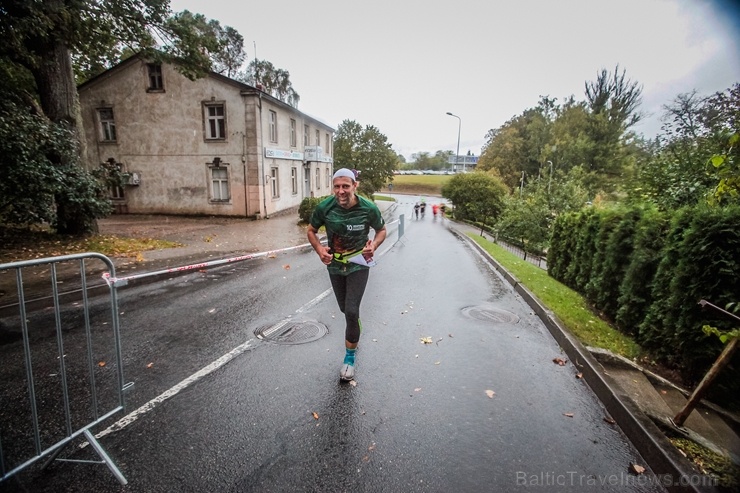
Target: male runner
point(348, 218)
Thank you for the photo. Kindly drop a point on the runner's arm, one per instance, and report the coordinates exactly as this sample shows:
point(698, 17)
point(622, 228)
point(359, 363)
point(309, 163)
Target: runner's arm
point(321, 250)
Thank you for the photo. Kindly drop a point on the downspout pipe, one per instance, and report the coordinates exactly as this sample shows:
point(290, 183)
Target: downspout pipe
point(262, 163)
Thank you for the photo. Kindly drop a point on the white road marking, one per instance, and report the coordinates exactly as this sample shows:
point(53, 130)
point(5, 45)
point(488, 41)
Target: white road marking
point(173, 391)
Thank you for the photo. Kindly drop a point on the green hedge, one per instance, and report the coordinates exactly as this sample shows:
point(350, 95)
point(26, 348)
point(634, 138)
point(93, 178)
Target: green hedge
point(635, 292)
point(647, 271)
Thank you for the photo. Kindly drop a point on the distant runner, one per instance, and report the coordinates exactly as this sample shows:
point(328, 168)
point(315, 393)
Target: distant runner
point(348, 219)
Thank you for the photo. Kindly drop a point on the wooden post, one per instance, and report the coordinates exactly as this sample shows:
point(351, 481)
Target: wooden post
point(701, 389)
point(722, 361)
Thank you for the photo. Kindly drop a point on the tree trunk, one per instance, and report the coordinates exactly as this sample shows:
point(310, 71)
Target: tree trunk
point(61, 104)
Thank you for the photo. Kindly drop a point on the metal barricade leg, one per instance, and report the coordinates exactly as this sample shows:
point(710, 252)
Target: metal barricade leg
point(103, 455)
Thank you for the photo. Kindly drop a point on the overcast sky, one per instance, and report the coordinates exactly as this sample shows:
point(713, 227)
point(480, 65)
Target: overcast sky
point(401, 65)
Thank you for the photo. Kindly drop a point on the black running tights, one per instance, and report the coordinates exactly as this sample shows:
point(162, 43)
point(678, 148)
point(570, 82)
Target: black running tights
point(349, 290)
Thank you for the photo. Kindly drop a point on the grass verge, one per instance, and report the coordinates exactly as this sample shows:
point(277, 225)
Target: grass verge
point(566, 304)
point(420, 184)
point(384, 198)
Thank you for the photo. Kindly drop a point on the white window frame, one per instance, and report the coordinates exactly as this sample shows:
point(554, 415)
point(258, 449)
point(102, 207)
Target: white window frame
point(275, 182)
point(214, 124)
point(328, 177)
point(318, 137)
point(318, 177)
point(219, 186)
point(294, 180)
point(107, 125)
point(117, 193)
point(328, 144)
point(293, 138)
point(306, 131)
point(273, 127)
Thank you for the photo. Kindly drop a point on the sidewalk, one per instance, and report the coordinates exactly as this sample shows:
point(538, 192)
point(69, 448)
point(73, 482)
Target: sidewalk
point(641, 402)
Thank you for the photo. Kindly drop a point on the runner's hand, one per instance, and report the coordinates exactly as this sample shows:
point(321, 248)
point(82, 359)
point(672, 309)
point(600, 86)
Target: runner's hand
point(324, 255)
point(369, 249)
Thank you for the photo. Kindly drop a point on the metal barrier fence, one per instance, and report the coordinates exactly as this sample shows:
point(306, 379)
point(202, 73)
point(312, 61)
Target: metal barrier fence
point(59, 382)
point(529, 257)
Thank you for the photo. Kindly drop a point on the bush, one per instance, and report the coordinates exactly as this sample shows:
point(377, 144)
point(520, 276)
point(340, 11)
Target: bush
point(308, 204)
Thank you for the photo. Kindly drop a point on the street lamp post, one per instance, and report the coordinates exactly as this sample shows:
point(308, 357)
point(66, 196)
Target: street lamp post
point(457, 155)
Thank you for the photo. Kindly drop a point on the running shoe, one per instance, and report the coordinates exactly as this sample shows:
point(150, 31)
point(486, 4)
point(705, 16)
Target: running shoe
point(347, 372)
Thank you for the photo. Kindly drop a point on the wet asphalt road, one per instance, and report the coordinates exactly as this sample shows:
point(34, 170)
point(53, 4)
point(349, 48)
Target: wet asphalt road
point(418, 419)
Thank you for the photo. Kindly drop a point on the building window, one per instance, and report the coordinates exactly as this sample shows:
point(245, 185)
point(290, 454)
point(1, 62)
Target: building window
point(219, 184)
point(273, 127)
point(116, 192)
point(294, 180)
point(155, 77)
point(274, 183)
point(326, 144)
point(318, 141)
point(293, 138)
point(318, 177)
point(215, 121)
point(328, 178)
point(305, 135)
point(107, 125)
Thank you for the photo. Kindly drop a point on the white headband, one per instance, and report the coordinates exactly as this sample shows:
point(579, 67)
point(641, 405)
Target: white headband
point(344, 172)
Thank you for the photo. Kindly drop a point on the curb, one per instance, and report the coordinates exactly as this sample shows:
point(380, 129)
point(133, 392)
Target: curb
point(672, 468)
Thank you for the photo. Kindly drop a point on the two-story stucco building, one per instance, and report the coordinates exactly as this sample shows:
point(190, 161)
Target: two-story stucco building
point(212, 146)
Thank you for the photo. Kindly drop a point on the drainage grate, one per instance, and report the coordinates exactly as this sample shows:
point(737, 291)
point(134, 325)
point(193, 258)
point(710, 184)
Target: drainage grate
point(489, 314)
point(292, 332)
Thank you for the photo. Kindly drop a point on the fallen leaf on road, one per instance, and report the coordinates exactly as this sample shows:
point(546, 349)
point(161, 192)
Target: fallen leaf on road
point(664, 392)
point(579, 375)
point(437, 362)
point(371, 447)
point(560, 361)
point(417, 389)
point(315, 415)
point(569, 415)
point(426, 340)
point(637, 469)
point(375, 340)
point(150, 365)
point(353, 383)
point(490, 393)
point(366, 458)
point(609, 420)
point(286, 267)
point(202, 271)
point(101, 363)
point(211, 310)
point(272, 255)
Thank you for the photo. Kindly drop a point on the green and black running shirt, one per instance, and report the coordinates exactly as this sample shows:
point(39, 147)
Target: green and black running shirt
point(346, 230)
